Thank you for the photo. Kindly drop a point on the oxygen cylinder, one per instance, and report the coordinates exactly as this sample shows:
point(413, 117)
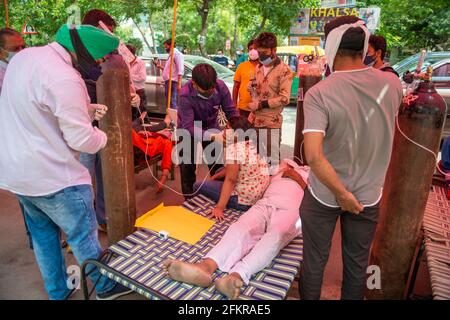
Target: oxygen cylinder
point(408, 180)
point(113, 90)
point(309, 75)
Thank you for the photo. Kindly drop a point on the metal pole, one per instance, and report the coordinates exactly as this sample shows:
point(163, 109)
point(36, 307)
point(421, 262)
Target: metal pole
point(113, 90)
point(172, 47)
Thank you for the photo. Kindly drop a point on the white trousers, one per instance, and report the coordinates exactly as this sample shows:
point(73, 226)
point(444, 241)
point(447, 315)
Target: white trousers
point(255, 239)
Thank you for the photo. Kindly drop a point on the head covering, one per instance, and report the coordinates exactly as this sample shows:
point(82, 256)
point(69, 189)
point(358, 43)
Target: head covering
point(334, 41)
point(97, 42)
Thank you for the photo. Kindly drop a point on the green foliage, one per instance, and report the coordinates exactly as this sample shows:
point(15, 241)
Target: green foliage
point(136, 42)
point(414, 24)
point(408, 24)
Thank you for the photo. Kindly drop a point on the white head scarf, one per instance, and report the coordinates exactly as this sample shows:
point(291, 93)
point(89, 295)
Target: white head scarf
point(334, 38)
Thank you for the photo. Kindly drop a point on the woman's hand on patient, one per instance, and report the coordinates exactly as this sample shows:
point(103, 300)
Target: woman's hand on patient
point(217, 213)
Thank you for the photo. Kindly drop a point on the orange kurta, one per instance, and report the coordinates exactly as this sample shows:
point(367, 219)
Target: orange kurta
point(153, 146)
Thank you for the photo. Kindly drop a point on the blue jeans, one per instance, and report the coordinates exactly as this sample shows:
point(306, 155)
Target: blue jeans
point(446, 153)
point(212, 189)
point(173, 93)
point(70, 210)
point(93, 163)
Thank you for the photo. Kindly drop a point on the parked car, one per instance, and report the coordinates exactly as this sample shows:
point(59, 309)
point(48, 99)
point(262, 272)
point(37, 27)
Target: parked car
point(231, 64)
point(440, 62)
point(410, 63)
point(154, 85)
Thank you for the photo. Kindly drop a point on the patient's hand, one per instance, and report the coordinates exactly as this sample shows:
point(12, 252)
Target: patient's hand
point(218, 214)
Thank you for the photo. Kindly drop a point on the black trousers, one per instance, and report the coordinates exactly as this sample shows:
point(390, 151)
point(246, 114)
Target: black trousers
point(269, 144)
point(357, 232)
point(188, 168)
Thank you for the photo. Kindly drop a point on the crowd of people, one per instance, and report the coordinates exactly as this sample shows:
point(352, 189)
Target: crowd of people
point(51, 147)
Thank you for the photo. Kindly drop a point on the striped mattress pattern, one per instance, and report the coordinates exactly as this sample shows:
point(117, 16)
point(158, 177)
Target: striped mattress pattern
point(140, 257)
point(436, 227)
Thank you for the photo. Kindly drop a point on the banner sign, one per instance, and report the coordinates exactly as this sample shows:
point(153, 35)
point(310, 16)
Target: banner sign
point(312, 20)
point(27, 29)
point(304, 41)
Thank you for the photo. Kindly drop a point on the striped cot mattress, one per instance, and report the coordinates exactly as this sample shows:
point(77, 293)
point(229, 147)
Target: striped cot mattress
point(140, 256)
point(436, 228)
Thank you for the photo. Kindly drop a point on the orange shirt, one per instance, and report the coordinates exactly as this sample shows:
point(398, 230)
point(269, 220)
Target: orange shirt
point(243, 74)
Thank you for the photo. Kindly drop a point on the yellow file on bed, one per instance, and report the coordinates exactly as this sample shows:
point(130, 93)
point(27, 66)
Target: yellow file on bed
point(178, 222)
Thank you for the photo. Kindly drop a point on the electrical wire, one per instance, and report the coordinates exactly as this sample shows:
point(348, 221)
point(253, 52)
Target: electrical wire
point(165, 185)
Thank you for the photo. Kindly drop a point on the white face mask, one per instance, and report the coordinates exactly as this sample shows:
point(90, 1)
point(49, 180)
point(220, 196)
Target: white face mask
point(253, 54)
point(10, 55)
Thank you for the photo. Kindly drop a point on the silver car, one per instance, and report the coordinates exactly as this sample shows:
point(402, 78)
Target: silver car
point(440, 62)
point(154, 85)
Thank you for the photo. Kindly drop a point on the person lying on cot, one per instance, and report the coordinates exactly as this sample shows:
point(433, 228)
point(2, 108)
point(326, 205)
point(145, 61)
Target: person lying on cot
point(254, 240)
point(153, 140)
point(245, 176)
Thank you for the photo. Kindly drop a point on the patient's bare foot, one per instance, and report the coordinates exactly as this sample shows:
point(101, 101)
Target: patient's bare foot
point(230, 285)
point(187, 272)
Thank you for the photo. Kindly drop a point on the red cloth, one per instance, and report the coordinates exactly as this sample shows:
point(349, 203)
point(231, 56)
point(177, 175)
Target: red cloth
point(153, 146)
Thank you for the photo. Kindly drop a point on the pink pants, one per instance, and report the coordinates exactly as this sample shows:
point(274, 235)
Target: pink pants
point(255, 239)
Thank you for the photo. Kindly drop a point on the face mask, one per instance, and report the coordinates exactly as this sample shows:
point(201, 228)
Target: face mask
point(253, 54)
point(168, 50)
point(205, 96)
point(369, 61)
point(265, 59)
point(10, 55)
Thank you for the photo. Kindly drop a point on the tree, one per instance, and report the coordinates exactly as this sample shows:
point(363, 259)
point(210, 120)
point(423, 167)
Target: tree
point(203, 11)
point(413, 25)
point(46, 16)
point(268, 15)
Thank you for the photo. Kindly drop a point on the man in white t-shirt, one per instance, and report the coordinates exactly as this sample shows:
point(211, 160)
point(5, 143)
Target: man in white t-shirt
point(177, 73)
point(349, 131)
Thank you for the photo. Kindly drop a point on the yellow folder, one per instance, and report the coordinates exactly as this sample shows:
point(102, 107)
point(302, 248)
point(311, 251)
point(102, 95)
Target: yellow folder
point(178, 222)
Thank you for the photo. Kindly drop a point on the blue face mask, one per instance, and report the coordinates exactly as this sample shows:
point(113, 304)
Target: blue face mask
point(369, 61)
point(265, 59)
